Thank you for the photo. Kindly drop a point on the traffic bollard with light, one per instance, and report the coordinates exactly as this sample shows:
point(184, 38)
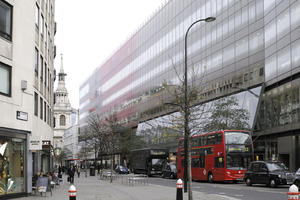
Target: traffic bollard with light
point(293, 193)
point(179, 195)
point(72, 192)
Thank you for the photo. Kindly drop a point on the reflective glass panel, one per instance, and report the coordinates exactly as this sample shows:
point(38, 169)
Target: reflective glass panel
point(296, 54)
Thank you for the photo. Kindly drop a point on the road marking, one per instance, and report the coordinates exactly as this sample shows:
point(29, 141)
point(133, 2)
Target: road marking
point(239, 195)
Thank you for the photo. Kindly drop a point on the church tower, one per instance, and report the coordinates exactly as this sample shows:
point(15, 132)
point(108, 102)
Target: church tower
point(62, 109)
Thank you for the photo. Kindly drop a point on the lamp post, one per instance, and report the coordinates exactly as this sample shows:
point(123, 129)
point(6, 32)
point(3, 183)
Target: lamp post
point(186, 105)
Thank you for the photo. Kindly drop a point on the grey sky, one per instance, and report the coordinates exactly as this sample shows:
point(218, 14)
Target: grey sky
point(89, 31)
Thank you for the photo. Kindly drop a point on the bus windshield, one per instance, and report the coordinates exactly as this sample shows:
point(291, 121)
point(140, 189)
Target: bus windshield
point(237, 138)
point(238, 161)
point(156, 161)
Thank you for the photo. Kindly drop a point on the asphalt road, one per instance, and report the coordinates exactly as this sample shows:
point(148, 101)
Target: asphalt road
point(234, 190)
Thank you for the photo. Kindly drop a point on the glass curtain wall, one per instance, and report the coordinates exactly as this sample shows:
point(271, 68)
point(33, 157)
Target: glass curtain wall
point(166, 130)
point(280, 106)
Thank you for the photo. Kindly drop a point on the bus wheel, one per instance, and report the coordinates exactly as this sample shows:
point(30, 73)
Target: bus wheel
point(210, 177)
point(272, 183)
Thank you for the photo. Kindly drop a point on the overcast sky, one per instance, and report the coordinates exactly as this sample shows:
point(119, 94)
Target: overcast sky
point(89, 31)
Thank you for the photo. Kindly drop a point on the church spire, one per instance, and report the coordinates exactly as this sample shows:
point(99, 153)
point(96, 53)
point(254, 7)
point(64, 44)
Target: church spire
point(61, 75)
point(61, 78)
point(61, 64)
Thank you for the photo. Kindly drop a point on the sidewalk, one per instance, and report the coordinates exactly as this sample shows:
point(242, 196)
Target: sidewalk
point(91, 188)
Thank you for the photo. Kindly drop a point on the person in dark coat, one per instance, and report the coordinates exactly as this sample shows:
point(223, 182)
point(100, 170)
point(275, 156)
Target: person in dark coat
point(71, 173)
point(59, 169)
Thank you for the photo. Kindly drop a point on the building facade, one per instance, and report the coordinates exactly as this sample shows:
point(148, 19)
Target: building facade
point(251, 51)
point(27, 74)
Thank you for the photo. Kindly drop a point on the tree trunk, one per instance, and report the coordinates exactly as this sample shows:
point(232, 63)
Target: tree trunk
point(189, 172)
point(111, 169)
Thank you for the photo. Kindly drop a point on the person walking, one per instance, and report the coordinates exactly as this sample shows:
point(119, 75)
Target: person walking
point(71, 172)
point(78, 171)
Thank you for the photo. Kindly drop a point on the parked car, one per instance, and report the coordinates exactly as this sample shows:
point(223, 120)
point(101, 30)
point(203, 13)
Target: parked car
point(121, 169)
point(268, 172)
point(169, 170)
point(297, 179)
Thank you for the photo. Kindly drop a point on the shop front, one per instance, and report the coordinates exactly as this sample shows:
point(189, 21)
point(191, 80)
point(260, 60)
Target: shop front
point(12, 163)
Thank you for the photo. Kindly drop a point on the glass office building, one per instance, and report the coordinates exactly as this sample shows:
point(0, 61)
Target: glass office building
point(251, 44)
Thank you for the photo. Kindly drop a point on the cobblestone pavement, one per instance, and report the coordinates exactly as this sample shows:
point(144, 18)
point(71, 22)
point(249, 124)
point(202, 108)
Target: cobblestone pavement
point(92, 188)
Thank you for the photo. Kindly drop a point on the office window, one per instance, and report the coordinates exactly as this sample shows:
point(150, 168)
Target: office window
point(42, 26)
point(296, 53)
point(5, 20)
point(45, 75)
point(295, 14)
point(46, 39)
point(36, 62)
point(48, 118)
point(62, 120)
point(37, 16)
point(36, 104)
point(41, 108)
point(5, 79)
point(49, 86)
point(45, 111)
point(48, 83)
point(42, 68)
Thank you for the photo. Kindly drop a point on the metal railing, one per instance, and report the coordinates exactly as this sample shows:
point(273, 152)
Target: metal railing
point(125, 179)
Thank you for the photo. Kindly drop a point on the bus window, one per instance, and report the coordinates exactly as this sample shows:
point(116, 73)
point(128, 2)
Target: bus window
point(219, 138)
point(194, 142)
point(195, 162)
point(181, 143)
point(219, 162)
point(203, 140)
point(202, 161)
point(237, 161)
point(211, 139)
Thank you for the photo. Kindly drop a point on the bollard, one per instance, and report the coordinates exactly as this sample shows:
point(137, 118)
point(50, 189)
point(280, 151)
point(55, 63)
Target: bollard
point(293, 193)
point(179, 195)
point(72, 192)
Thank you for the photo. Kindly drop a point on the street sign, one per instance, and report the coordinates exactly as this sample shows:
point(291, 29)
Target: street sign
point(35, 143)
point(22, 115)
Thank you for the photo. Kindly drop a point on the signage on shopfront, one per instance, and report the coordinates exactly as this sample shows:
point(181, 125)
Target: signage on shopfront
point(46, 144)
point(22, 115)
point(35, 143)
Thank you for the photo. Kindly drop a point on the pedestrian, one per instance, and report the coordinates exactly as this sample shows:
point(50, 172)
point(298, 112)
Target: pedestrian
point(59, 169)
point(71, 172)
point(78, 171)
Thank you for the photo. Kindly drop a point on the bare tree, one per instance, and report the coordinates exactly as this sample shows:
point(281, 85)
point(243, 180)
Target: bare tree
point(112, 138)
point(193, 109)
point(92, 137)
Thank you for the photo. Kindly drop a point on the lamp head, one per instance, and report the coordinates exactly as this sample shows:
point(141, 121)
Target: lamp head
point(210, 19)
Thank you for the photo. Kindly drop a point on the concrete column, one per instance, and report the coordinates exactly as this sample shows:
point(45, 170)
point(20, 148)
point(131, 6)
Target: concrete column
point(37, 162)
point(29, 170)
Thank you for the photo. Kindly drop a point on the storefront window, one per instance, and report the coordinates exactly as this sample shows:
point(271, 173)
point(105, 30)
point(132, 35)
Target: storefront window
point(12, 158)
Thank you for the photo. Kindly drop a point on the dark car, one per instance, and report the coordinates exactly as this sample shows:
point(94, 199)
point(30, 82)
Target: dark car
point(297, 179)
point(121, 169)
point(169, 170)
point(268, 172)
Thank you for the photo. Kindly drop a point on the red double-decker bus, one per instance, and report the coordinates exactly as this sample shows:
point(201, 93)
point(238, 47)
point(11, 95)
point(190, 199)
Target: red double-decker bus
point(217, 156)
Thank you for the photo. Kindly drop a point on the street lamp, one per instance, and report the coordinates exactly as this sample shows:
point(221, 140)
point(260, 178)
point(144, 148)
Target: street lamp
point(186, 106)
